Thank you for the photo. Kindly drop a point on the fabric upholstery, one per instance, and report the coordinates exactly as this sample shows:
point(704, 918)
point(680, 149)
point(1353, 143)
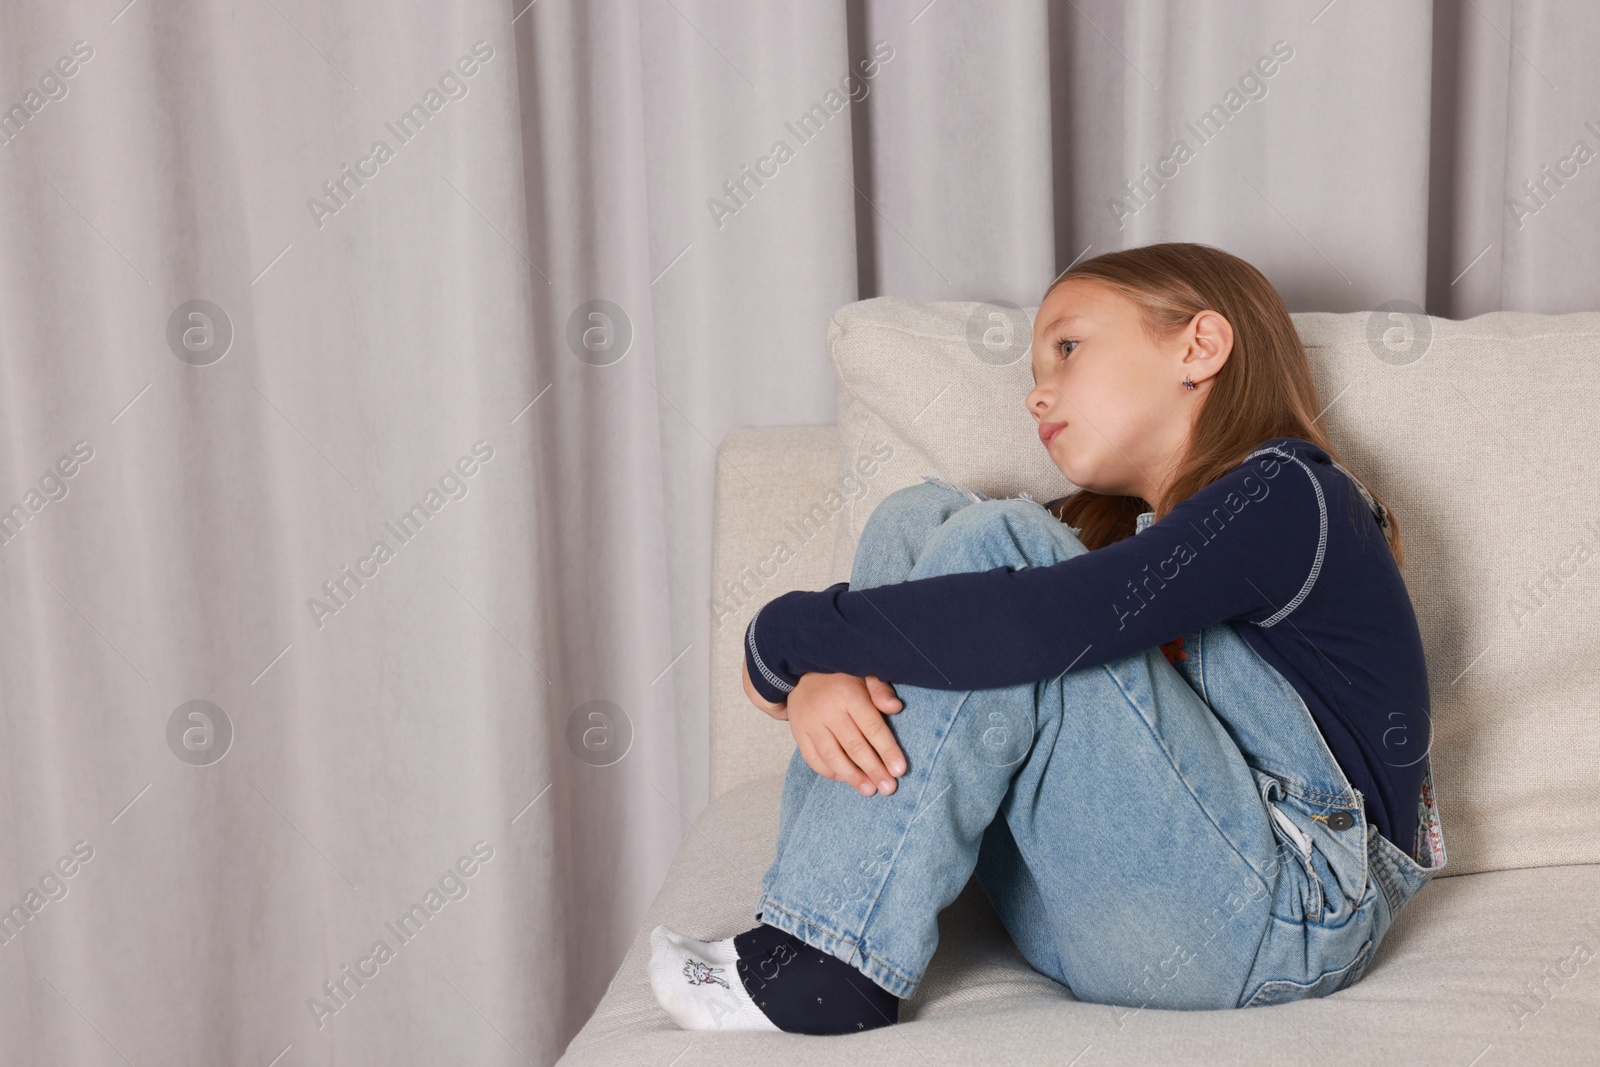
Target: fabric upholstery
point(778, 500)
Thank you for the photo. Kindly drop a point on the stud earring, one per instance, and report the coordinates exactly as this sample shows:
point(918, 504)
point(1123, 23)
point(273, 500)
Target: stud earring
point(1187, 384)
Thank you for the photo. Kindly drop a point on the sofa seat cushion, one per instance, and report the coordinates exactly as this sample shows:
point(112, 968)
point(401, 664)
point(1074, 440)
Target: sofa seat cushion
point(1504, 962)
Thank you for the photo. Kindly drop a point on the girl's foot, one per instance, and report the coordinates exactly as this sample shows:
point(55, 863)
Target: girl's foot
point(763, 979)
point(698, 986)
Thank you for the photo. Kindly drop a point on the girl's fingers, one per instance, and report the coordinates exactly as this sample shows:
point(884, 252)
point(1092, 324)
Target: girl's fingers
point(883, 695)
point(808, 752)
point(877, 732)
point(829, 748)
point(861, 751)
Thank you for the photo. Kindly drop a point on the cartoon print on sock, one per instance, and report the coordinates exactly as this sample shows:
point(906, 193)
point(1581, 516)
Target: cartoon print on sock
point(700, 973)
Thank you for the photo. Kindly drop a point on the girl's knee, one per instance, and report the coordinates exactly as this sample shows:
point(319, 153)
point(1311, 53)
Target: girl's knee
point(894, 534)
point(932, 493)
point(1010, 514)
point(994, 533)
point(969, 495)
point(927, 503)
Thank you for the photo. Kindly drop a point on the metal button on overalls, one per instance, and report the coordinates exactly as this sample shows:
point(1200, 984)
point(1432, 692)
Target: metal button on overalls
point(1341, 820)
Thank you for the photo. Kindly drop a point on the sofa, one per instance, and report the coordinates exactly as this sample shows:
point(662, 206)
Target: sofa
point(1481, 434)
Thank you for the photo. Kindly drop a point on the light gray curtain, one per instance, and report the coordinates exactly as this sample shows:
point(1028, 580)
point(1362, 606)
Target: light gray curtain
point(357, 499)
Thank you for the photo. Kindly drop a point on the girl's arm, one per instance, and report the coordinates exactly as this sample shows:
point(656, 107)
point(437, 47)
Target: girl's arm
point(1246, 547)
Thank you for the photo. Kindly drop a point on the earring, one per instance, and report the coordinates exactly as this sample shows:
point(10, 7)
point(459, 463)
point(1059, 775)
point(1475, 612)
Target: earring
point(1187, 384)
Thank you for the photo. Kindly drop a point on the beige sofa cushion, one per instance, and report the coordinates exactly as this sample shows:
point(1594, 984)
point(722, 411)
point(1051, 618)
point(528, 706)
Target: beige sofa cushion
point(1498, 968)
point(1481, 434)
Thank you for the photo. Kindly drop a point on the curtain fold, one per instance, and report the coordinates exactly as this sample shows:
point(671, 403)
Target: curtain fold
point(362, 376)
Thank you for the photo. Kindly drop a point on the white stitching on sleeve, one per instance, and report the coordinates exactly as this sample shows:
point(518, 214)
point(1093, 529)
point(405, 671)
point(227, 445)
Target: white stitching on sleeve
point(750, 639)
point(1322, 537)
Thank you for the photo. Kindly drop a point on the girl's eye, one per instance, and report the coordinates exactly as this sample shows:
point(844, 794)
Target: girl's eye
point(1065, 341)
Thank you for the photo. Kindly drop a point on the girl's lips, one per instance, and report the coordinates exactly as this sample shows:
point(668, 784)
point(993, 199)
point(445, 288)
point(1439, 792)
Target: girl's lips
point(1048, 430)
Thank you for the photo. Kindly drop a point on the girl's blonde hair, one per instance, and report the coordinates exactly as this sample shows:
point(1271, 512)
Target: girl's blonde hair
point(1264, 390)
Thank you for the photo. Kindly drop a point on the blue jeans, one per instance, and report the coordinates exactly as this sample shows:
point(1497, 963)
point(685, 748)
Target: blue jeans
point(1171, 834)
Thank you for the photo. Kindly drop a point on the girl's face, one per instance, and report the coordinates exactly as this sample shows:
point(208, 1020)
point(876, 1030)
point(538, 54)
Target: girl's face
point(1110, 403)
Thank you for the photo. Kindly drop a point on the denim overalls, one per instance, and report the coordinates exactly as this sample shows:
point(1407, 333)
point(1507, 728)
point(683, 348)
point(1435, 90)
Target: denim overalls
point(1151, 832)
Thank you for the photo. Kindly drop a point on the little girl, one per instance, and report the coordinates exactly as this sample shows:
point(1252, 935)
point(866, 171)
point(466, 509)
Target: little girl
point(1175, 723)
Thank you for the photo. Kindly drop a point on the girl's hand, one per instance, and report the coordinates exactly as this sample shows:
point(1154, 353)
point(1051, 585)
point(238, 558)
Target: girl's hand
point(837, 720)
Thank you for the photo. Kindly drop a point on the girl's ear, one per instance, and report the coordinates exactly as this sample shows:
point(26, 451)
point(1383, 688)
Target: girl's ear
point(1210, 345)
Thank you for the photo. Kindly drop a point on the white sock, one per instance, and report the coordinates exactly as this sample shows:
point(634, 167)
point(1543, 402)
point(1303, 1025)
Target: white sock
point(696, 984)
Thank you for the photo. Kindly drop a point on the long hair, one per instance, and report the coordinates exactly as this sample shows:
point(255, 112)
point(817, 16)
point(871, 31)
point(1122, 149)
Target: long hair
point(1264, 390)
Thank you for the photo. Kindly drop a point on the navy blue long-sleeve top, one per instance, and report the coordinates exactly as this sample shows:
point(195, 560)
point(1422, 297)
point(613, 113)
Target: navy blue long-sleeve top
point(1291, 554)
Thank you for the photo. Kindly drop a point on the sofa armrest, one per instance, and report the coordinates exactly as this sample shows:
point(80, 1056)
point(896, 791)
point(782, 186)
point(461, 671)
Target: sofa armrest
point(776, 513)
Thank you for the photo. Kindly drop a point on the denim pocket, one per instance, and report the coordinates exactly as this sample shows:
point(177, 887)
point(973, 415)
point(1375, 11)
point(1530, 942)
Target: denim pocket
point(1294, 853)
point(1279, 992)
point(1311, 890)
point(1304, 898)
